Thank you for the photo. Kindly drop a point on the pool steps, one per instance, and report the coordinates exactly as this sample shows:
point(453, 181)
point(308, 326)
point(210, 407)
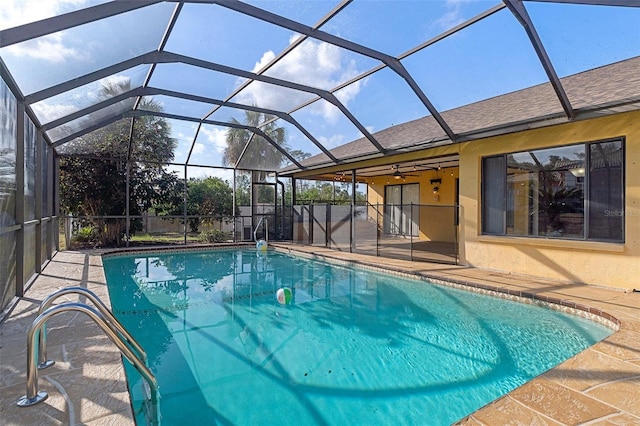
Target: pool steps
point(36, 346)
point(112, 322)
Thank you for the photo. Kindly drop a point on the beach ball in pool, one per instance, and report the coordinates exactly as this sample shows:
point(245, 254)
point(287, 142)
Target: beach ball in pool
point(284, 296)
point(261, 245)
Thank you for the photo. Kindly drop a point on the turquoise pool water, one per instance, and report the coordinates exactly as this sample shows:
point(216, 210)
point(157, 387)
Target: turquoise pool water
point(353, 347)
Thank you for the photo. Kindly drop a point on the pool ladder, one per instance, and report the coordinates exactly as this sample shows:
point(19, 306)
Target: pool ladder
point(37, 358)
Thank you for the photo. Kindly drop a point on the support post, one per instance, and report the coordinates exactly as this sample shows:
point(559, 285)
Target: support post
point(20, 217)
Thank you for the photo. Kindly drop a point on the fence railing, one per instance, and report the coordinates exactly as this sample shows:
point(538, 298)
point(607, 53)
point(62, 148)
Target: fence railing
point(151, 229)
point(408, 231)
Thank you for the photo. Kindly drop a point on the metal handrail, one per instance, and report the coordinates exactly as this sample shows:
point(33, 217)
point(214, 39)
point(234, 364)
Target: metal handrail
point(112, 322)
point(33, 396)
point(266, 232)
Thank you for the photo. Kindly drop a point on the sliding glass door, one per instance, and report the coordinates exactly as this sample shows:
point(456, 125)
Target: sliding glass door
point(401, 209)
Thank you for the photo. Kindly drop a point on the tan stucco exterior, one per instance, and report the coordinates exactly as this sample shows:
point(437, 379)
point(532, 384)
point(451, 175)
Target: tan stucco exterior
point(607, 264)
point(596, 263)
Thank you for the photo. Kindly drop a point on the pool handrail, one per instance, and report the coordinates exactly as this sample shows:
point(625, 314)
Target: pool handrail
point(266, 232)
point(33, 397)
point(111, 321)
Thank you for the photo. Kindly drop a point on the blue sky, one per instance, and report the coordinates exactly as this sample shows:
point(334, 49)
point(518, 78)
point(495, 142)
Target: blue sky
point(488, 59)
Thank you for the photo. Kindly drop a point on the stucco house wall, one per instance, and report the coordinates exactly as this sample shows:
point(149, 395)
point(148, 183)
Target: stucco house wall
point(597, 263)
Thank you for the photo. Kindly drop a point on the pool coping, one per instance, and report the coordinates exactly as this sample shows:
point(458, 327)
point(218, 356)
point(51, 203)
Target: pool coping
point(599, 385)
point(563, 305)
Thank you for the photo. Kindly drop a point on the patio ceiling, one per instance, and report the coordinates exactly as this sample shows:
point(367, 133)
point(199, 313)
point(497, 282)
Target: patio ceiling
point(329, 72)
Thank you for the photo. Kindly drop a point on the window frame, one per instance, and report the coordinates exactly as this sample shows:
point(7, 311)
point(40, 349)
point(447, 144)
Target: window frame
point(492, 201)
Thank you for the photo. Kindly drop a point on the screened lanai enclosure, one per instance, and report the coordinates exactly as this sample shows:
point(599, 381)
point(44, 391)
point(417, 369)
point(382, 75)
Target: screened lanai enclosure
point(127, 123)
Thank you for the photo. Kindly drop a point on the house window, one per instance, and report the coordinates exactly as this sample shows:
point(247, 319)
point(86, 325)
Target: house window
point(571, 192)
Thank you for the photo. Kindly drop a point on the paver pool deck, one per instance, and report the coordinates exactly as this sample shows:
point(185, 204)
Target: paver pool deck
point(599, 386)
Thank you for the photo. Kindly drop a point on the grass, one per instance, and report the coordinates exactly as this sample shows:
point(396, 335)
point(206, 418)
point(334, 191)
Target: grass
point(140, 240)
point(165, 238)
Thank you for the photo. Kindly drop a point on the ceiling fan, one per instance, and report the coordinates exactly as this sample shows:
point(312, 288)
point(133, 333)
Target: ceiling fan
point(398, 175)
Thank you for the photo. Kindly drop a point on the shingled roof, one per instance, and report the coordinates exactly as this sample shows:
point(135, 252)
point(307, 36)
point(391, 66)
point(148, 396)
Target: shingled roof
point(606, 90)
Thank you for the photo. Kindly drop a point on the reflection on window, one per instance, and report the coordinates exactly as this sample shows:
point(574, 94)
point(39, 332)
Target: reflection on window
point(573, 192)
point(606, 195)
point(8, 146)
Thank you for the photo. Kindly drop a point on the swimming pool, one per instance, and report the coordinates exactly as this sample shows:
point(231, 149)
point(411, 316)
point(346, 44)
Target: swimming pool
point(353, 347)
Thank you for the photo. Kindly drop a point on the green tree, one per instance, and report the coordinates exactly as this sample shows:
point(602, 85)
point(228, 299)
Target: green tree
point(93, 180)
point(243, 189)
point(260, 155)
point(323, 192)
point(332, 192)
point(299, 154)
point(211, 196)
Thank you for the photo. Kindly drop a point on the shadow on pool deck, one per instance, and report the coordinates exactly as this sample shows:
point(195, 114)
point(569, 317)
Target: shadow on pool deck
point(601, 385)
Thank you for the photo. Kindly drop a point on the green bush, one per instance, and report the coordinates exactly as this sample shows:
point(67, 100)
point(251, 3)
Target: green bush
point(213, 236)
point(86, 234)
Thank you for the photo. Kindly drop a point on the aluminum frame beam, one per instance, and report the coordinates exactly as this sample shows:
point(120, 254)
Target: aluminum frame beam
point(168, 57)
point(517, 8)
point(65, 21)
point(622, 3)
point(91, 109)
point(390, 61)
point(151, 91)
point(286, 50)
point(89, 129)
point(259, 132)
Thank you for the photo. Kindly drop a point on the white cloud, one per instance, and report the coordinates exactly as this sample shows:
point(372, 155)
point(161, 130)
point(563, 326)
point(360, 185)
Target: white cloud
point(198, 148)
point(215, 136)
point(453, 16)
point(19, 12)
point(186, 139)
point(312, 63)
point(50, 48)
point(49, 112)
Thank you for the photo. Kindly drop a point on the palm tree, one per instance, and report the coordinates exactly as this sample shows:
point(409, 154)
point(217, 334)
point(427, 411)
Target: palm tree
point(111, 88)
point(260, 155)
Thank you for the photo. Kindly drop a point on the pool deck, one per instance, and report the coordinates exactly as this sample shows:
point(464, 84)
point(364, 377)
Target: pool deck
point(599, 386)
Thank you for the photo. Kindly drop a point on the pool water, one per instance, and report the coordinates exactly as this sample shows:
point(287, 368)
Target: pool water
point(353, 346)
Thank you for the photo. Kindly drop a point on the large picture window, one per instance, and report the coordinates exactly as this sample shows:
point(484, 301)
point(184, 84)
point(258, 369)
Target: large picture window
point(572, 192)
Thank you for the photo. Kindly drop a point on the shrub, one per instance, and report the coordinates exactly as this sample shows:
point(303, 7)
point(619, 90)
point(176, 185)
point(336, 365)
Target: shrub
point(86, 234)
point(213, 236)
